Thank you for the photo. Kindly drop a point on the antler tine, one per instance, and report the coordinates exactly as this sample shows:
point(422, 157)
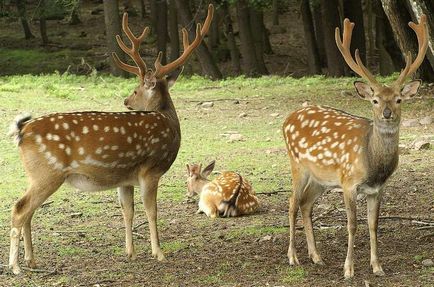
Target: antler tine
point(344, 47)
point(201, 31)
point(421, 31)
point(133, 52)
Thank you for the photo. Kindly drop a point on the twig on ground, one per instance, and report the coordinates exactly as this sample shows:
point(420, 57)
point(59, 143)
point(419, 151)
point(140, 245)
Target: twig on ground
point(47, 203)
point(37, 270)
point(273, 192)
point(139, 225)
point(425, 227)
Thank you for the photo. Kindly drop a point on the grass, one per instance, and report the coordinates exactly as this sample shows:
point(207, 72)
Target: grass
point(292, 275)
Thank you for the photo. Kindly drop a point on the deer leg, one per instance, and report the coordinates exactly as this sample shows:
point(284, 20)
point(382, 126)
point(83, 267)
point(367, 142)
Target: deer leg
point(126, 200)
point(299, 183)
point(148, 188)
point(22, 213)
point(28, 246)
point(373, 212)
point(310, 195)
point(350, 207)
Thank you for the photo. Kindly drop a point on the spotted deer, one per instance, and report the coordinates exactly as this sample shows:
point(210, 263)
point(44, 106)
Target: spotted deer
point(103, 150)
point(228, 195)
point(330, 148)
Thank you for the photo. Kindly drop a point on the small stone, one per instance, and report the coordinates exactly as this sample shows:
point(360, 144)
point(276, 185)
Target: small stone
point(275, 115)
point(242, 115)
point(268, 139)
point(235, 138)
point(426, 120)
point(305, 104)
point(207, 104)
point(420, 144)
point(266, 238)
point(427, 263)
point(236, 102)
point(410, 123)
point(76, 214)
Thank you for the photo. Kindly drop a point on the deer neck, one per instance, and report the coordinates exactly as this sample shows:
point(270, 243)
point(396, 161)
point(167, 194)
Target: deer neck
point(382, 152)
point(200, 183)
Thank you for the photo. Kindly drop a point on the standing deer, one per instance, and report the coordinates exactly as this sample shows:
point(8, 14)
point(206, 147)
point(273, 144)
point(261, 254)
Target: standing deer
point(229, 194)
point(330, 148)
point(102, 150)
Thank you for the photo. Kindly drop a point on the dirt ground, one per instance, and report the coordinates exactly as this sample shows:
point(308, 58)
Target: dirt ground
point(208, 256)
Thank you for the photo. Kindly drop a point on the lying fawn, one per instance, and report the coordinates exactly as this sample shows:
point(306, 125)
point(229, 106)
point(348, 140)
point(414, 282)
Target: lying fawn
point(330, 148)
point(229, 194)
point(102, 150)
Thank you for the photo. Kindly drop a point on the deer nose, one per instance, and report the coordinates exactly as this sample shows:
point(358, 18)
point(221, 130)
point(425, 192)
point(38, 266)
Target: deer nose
point(387, 113)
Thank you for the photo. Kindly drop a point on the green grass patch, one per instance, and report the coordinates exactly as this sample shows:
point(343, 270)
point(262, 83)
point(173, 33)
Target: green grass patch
point(173, 246)
point(255, 231)
point(292, 275)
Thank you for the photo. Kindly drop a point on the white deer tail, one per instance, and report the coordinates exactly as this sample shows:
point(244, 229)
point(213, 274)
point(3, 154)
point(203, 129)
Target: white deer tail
point(16, 126)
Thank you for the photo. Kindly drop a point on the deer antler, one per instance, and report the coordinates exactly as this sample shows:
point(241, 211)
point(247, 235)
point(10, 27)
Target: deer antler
point(344, 47)
point(161, 70)
point(422, 40)
point(133, 52)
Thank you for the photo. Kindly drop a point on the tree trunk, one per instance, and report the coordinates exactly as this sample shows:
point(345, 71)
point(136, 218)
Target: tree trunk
point(142, 9)
point(162, 29)
point(390, 58)
point(370, 53)
point(309, 35)
point(248, 51)
point(21, 7)
point(214, 31)
point(229, 33)
point(113, 28)
point(209, 67)
point(405, 37)
point(153, 15)
point(319, 33)
point(173, 31)
point(330, 18)
point(266, 40)
point(417, 8)
point(257, 28)
point(353, 11)
point(275, 11)
point(43, 23)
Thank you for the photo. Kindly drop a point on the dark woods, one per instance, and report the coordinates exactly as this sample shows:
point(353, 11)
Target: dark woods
point(247, 37)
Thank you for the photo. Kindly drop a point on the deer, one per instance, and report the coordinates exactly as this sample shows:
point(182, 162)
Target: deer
point(330, 148)
point(94, 151)
point(228, 195)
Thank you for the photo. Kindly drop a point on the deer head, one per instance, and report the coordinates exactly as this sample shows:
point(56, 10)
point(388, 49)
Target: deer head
point(152, 91)
point(385, 99)
point(197, 177)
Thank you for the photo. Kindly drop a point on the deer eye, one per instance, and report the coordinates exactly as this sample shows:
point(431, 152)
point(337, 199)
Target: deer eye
point(398, 101)
point(375, 102)
point(135, 92)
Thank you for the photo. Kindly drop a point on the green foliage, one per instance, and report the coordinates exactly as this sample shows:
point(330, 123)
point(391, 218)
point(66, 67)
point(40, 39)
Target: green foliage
point(292, 275)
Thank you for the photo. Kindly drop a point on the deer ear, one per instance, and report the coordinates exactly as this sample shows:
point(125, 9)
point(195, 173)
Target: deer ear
point(188, 169)
point(171, 79)
point(410, 89)
point(208, 169)
point(363, 90)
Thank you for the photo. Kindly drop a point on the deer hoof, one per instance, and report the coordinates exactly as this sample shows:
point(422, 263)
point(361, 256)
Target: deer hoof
point(31, 263)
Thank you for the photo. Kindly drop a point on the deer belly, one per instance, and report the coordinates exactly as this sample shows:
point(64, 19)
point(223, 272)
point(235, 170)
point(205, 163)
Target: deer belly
point(88, 183)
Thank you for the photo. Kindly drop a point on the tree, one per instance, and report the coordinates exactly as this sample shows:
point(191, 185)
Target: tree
point(229, 34)
point(416, 9)
point(43, 22)
point(21, 7)
point(257, 27)
point(113, 28)
point(209, 67)
point(248, 51)
point(319, 34)
point(162, 28)
point(353, 11)
point(313, 59)
point(173, 31)
point(330, 20)
point(398, 18)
